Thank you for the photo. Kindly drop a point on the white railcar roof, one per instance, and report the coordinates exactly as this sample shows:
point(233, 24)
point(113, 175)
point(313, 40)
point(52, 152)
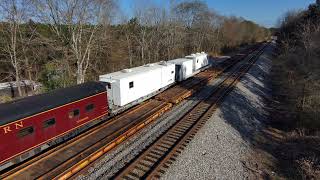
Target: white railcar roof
point(196, 55)
point(179, 61)
point(133, 71)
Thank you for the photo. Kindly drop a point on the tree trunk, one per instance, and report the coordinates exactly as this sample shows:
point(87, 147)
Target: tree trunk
point(28, 69)
point(80, 74)
point(18, 81)
point(142, 54)
point(13, 55)
point(129, 50)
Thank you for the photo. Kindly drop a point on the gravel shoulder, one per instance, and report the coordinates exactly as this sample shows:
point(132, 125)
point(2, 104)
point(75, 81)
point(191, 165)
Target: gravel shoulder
point(106, 166)
point(220, 150)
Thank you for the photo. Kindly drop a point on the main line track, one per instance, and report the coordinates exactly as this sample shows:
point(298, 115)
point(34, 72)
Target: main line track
point(153, 161)
point(66, 159)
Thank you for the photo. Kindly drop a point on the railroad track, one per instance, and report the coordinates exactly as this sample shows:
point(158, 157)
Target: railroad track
point(70, 157)
point(157, 157)
point(107, 135)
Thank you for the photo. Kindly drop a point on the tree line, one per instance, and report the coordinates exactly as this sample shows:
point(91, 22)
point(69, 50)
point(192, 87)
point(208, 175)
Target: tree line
point(296, 87)
point(297, 70)
point(65, 42)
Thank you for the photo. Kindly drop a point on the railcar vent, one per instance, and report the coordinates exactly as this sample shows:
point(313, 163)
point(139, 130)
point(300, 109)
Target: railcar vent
point(126, 70)
point(190, 57)
point(148, 65)
point(163, 63)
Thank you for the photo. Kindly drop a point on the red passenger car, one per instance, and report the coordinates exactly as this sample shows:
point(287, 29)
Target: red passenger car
point(28, 125)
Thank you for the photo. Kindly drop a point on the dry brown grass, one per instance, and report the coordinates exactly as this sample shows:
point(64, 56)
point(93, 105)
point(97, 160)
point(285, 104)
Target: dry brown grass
point(284, 155)
point(5, 98)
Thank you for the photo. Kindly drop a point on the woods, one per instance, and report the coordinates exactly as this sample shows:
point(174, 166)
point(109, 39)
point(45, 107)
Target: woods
point(62, 42)
point(297, 69)
point(295, 89)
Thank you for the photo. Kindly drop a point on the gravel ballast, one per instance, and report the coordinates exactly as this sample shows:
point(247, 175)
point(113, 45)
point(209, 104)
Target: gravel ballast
point(105, 167)
point(219, 149)
point(115, 160)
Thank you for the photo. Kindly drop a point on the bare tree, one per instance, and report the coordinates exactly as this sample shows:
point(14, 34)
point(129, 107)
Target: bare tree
point(306, 34)
point(128, 31)
point(68, 41)
point(141, 37)
point(202, 24)
point(149, 17)
point(14, 14)
point(76, 24)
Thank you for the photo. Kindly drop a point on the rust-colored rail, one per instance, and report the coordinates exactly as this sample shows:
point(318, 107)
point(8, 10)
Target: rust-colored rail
point(69, 172)
point(68, 158)
point(107, 136)
point(156, 158)
point(187, 88)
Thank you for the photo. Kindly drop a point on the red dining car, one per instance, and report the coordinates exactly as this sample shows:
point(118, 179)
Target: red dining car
point(28, 125)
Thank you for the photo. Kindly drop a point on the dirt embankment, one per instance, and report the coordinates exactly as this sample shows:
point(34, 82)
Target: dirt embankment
point(281, 150)
point(220, 150)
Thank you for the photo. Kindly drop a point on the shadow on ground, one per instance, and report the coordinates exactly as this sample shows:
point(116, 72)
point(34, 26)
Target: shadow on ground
point(279, 155)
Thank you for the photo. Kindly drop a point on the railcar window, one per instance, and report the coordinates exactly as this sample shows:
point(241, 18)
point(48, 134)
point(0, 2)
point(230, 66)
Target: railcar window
point(172, 72)
point(26, 131)
point(131, 84)
point(109, 85)
point(89, 107)
point(49, 122)
point(74, 113)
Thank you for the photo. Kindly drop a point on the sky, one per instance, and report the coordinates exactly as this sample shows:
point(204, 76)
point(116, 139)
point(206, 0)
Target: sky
point(263, 12)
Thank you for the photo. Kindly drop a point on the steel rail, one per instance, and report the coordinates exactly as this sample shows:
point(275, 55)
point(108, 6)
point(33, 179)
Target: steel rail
point(64, 174)
point(156, 158)
point(69, 172)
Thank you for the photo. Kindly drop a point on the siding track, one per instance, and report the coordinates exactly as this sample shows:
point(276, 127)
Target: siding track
point(69, 158)
point(153, 161)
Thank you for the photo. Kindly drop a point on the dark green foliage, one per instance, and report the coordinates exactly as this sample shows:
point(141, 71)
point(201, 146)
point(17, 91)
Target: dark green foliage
point(53, 77)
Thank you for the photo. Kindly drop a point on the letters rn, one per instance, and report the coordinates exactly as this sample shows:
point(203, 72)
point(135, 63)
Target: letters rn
point(13, 126)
